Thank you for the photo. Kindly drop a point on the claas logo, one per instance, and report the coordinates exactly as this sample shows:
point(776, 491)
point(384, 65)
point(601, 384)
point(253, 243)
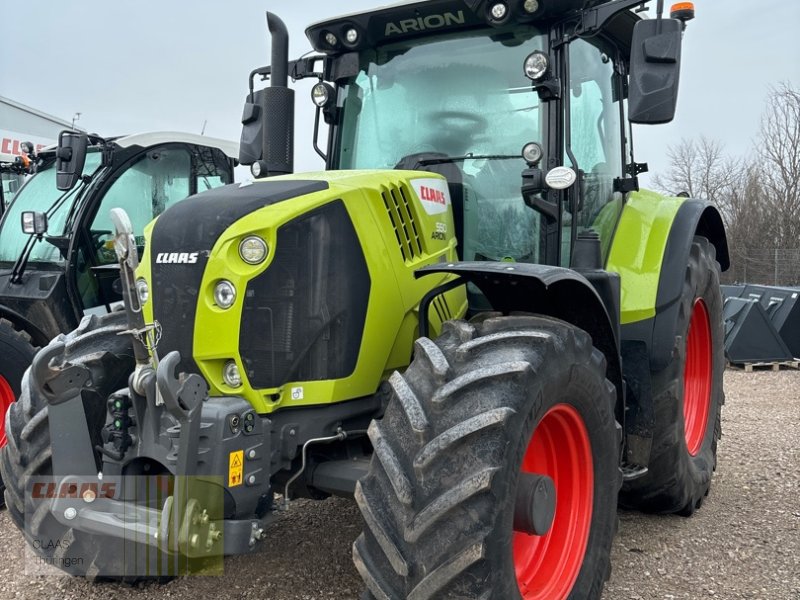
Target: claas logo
point(432, 195)
point(48, 491)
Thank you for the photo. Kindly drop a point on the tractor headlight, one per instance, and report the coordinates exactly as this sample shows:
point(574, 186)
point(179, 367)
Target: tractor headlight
point(224, 294)
point(253, 250)
point(142, 291)
point(351, 36)
point(331, 39)
point(322, 94)
point(531, 6)
point(537, 65)
point(231, 375)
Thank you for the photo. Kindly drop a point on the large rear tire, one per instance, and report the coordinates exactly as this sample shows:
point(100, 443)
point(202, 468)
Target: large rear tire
point(17, 352)
point(688, 398)
point(477, 409)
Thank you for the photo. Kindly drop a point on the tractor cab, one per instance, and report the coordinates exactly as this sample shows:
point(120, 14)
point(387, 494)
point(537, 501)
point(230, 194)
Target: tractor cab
point(57, 261)
point(522, 106)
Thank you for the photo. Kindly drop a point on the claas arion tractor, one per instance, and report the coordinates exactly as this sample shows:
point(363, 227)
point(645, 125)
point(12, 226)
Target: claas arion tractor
point(473, 321)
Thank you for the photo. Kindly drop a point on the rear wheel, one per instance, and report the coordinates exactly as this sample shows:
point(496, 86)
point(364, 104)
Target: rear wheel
point(495, 473)
point(17, 352)
point(688, 398)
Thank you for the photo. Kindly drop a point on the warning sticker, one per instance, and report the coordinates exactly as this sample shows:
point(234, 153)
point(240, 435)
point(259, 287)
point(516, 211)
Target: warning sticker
point(235, 468)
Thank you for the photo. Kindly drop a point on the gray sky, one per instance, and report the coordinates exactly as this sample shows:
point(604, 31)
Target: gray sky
point(170, 65)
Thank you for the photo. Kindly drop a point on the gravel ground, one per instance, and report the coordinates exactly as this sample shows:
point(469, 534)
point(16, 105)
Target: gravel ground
point(743, 543)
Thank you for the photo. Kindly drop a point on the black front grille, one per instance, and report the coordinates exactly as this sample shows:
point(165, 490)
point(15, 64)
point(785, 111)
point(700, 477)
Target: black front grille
point(193, 226)
point(303, 317)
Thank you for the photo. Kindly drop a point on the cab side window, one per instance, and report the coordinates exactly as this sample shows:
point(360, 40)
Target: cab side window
point(157, 180)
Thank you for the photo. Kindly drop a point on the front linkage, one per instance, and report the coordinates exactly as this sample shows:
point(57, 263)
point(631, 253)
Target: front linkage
point(152, 476)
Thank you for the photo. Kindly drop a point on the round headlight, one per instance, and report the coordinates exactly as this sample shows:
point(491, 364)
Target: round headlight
point(231, 375)
point(224, 294)
point(499, 11)
point(536, 65)
point(531, 6)
point(142, 290)
point(255, 169)
point(532, 153)
point(253, 250)
point(331, 39)
point(322, 94)
point(351, 36)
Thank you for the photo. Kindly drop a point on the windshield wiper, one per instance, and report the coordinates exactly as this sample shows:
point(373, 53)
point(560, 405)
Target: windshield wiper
point(441, 160)
point(22, 261)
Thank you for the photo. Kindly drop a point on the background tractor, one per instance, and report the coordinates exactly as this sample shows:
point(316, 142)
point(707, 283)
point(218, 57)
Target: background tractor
point(56, 259)
point(473, 321)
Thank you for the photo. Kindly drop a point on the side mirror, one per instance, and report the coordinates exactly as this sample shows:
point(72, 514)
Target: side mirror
point(252, 128)
point(34, 223)
point(655, 71)
point(71, 157)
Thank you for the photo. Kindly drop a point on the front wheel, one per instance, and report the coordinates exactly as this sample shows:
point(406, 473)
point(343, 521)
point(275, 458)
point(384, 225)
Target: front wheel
point(16, 354)
point(496, 468)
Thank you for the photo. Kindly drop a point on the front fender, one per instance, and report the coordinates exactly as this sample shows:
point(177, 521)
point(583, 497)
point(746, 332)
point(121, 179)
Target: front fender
point(554, 291)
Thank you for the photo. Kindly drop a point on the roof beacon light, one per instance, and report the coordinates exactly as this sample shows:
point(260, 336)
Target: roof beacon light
point(683, 11)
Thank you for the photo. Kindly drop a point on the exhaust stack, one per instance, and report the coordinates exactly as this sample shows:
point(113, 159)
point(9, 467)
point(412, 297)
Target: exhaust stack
point(278, 131)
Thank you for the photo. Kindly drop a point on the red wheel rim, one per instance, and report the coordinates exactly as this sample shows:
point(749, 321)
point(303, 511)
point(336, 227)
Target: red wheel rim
point(697, 378)
point(548, 565)
point(7, 398)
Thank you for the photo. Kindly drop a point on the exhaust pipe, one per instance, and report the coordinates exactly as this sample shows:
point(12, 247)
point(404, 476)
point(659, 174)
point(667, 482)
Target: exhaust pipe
point(280, 51)
point(278, 132)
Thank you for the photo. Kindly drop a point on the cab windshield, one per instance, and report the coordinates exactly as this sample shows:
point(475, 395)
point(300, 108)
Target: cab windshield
point(463, 95)
point(40, 194)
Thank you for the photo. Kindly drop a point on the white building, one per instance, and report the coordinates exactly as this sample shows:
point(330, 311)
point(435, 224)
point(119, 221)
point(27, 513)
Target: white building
point(20, 123)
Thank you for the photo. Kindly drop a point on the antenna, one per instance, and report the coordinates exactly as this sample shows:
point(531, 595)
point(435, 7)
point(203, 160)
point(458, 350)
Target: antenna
point(203, 128)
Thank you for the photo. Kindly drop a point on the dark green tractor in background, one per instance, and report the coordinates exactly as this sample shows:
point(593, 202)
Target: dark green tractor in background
point(473, 321)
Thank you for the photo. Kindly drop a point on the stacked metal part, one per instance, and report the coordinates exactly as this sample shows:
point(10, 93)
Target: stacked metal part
point(762, 323)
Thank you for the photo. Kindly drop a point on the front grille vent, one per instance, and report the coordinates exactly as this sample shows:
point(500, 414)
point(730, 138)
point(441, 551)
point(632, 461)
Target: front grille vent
point(396, 199)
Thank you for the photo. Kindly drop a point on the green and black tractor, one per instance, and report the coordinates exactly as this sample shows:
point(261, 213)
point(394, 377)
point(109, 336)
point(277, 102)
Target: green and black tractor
point(473, 321)
point(57, 261)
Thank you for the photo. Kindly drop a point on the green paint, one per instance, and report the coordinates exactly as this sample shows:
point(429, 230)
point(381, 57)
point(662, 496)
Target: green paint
point(637, 251)
point(392, 314)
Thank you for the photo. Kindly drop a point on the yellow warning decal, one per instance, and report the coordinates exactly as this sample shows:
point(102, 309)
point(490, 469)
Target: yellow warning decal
point(235, 468)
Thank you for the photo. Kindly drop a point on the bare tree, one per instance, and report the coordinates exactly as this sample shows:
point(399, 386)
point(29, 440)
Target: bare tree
point(700, 169)
point(780, 155)
point(758, 195)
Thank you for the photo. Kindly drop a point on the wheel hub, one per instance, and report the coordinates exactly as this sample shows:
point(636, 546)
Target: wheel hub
point(535, 505)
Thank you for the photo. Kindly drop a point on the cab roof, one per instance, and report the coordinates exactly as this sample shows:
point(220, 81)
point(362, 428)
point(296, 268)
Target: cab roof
point(157, 138)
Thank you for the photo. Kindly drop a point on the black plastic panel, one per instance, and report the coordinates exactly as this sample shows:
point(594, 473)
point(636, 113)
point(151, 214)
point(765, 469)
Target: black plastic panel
point(194, 226)
point(303, 318)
